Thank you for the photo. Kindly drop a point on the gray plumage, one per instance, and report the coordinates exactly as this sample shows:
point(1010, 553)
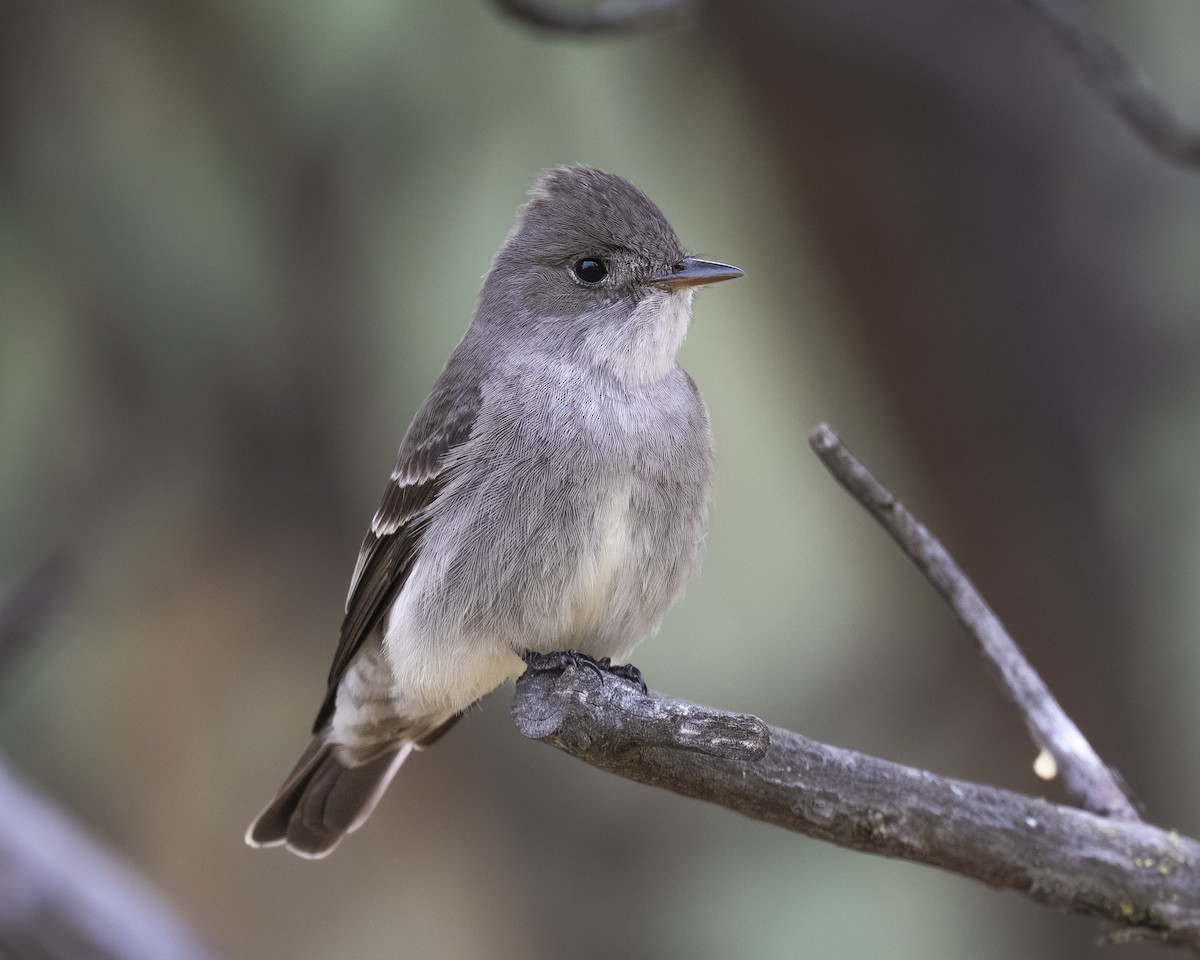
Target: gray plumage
point(551, 494)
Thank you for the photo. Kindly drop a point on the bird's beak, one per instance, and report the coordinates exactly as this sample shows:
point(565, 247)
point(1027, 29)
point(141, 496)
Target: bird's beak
point(692, 272)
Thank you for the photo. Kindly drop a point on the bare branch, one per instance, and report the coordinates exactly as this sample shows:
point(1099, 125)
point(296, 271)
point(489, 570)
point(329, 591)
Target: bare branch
point(607, 16)
point(1099, 61)
point(62, 894)
point(653, 722)
point(66, 897)
point(1136, 875)
point(1118, 82)
point(1085, 776)
point(29, 605)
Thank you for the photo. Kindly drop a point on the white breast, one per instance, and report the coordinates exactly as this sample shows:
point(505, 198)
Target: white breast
point(604, 565)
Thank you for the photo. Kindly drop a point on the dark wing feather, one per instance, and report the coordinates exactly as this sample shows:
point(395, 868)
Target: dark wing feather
point(391, 545)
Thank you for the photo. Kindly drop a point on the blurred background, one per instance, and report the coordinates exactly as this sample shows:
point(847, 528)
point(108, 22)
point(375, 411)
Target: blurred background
point(238, 239)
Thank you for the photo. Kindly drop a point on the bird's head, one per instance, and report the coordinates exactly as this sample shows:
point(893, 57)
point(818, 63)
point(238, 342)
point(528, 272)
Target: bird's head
point(595, 273)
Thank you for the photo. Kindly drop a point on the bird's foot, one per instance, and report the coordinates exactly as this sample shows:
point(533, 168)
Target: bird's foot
point(626, 671)
point(559, 660)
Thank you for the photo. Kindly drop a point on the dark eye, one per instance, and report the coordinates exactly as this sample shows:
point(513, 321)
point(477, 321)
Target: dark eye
point(591, 270)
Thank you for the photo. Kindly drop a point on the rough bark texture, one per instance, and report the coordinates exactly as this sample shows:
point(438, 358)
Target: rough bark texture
point(1143, 878)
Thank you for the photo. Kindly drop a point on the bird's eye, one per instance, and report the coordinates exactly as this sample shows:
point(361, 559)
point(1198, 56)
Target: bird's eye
point(591, 270)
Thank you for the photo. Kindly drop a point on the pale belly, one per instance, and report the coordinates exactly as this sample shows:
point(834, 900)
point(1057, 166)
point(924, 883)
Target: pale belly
point(603, 588)
point(597, 606)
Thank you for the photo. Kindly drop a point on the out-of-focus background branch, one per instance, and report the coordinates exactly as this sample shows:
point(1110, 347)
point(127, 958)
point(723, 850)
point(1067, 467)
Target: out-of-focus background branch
point(237, 241)
point(67, 898)
point(1118, 81)
point(606, 16)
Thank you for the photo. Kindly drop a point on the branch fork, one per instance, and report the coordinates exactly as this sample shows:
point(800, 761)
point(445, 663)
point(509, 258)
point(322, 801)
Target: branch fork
point(1101, 860)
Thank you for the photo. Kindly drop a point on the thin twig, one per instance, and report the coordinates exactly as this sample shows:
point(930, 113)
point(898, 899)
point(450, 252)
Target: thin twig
point(1117, 81)
point(607, 16)
point(1134, 874)
point(1085, 776)
point(1099, 61)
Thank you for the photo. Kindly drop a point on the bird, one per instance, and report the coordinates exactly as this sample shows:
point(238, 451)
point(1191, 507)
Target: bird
point(550, 495)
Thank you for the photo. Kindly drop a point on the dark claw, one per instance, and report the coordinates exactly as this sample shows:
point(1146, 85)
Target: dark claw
point(627, 671)
point(561, 659)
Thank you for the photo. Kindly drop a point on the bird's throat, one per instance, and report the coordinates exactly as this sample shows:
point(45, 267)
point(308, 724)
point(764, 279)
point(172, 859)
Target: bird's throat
point(643, 347)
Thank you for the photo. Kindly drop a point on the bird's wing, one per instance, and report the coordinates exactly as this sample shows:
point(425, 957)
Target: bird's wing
point(392, 543)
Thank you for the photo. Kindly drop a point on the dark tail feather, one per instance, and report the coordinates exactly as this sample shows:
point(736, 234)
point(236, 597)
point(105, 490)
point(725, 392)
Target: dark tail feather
point(324, 799)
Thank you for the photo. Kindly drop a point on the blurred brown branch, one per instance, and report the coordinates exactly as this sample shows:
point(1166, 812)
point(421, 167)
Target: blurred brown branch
point(1087, 779)
point(63, 896)
point(1131, 873)
point(1117, 81)
point(607, 16)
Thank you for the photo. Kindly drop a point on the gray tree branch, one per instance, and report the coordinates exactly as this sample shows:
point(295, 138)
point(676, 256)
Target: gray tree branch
point(606, 16)
point(1142, 878)
point(1117, 82)
point(63, 896)
point(1087, 779)
point(1098, 60)
point(1102, 861)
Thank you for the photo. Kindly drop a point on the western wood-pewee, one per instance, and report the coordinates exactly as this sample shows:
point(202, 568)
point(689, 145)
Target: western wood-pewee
point(550, 495)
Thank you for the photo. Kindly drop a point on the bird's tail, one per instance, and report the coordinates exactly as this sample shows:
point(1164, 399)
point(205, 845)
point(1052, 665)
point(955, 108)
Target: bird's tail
point(324, 799)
